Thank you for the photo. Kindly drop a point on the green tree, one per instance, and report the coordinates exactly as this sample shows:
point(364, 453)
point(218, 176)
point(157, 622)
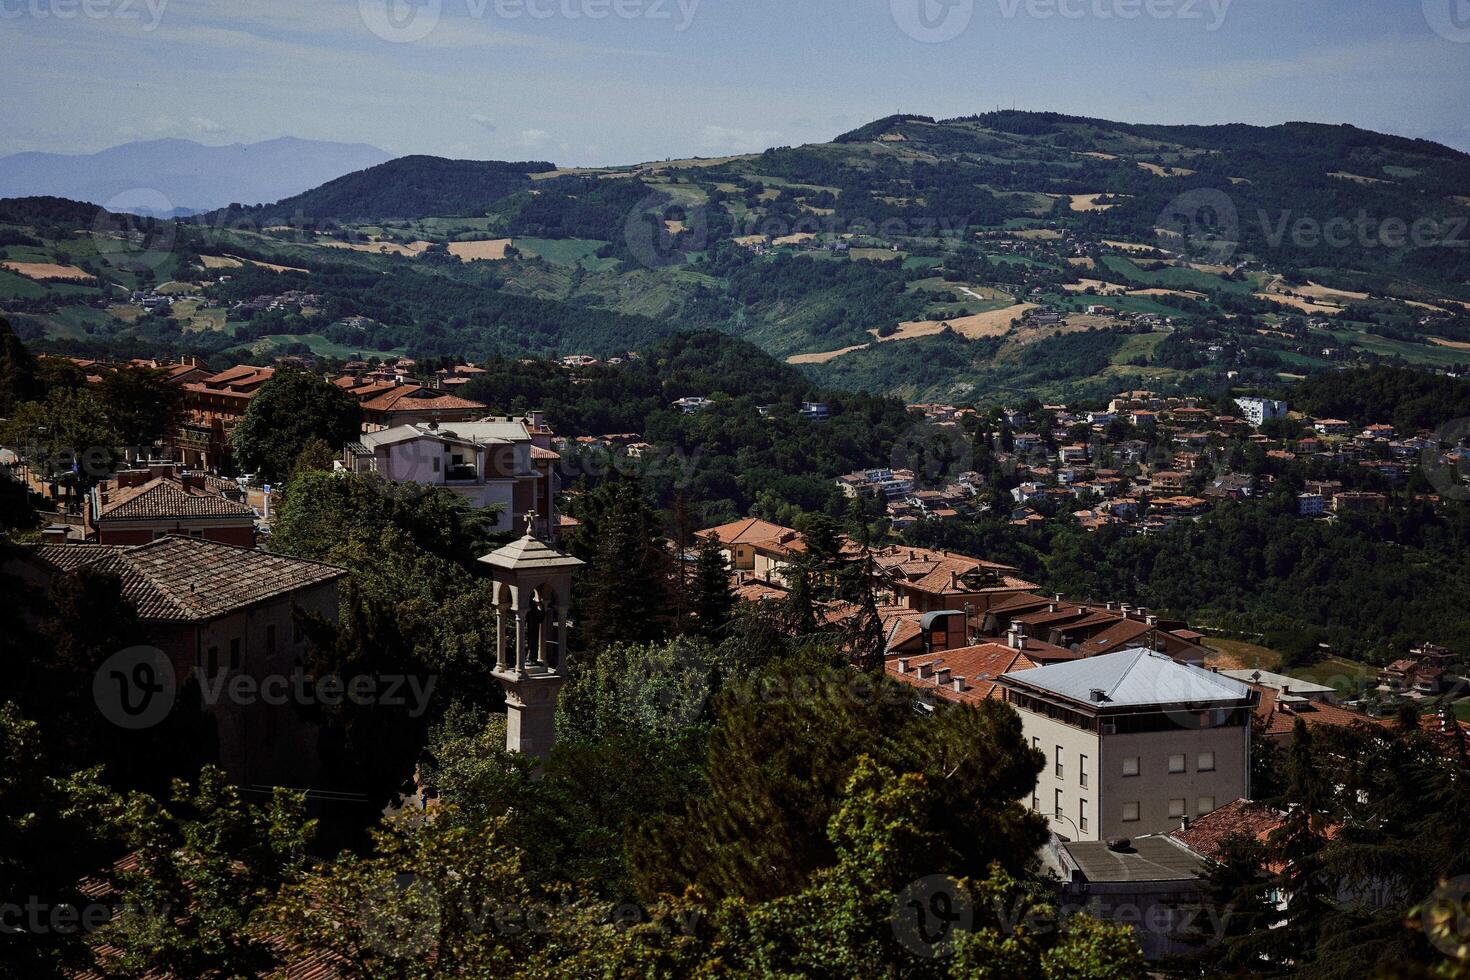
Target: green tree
point(142, 404)
point(625, 593)
point(711, 600)
point(17, 371)
point(289, 410)
point(67, 437)
point(194, 902)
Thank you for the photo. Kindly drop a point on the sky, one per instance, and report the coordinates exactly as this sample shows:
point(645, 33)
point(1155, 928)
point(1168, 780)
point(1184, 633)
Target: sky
point(583, 82)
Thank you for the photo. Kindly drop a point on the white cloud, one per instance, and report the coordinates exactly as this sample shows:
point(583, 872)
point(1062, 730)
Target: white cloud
point(721, 140)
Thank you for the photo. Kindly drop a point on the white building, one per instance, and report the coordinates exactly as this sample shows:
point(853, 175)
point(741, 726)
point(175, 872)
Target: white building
point(1134, 742)
point(490, 462)
point(1259, 411)
point(1311, 504)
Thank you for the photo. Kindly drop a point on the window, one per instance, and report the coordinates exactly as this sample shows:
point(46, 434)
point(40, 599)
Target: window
point(1176, 808)
point(1130, 766)
point(1058, 810)
point(1176, 763)
point(1082, 769)
point(436, 464)
point(1082, 815)
point(1130, 812)
point(1060, 767)
point(1206, 804)
point(1205, 762)
point(235, 654)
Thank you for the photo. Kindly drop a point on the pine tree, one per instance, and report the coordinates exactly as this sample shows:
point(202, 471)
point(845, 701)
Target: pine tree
point(711, 600)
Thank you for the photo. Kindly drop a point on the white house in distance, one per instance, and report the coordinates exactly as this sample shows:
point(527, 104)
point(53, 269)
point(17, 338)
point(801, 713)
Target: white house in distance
point(1135, 742)
point(492, 461)
point(1259, 411)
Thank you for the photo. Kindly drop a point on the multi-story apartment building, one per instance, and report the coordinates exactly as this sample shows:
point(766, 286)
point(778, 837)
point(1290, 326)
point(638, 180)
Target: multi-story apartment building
point(1134, 741)
point(1259, 411)
point(212, 409)
point(489, 462)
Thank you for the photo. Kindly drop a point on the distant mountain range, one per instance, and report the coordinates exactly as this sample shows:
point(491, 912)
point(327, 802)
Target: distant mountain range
point(178, 177)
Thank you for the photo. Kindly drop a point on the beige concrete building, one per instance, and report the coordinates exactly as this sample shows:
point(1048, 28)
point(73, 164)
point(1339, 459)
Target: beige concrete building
point(1135, 742)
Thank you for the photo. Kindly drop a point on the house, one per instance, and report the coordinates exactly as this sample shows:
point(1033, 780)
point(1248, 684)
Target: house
point(218, 612)
point(1134, 741)
point(1332, 427)
point(491, 463)
point(1171, 481)
point(927, 580)
point(136, 506)
point(890, 484)
point(1259, 411)
point(815, 411)
point(388, 404)
point(1311, 504)
point(1284, 684)
point(211, 409)
point(1358, 502)
point(758, 548)
point(692, 404)
point(1153, 884)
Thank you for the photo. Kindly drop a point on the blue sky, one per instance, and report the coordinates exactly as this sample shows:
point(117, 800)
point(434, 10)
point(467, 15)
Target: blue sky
point(619, 81)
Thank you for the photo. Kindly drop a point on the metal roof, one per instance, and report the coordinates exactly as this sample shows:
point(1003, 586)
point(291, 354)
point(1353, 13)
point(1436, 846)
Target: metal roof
point(1133, 677)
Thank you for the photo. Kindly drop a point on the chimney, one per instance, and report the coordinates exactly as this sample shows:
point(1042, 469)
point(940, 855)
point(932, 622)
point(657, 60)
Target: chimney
point(941, 676)
point(1097, 695)
point(1110, 607)
point(925, 670)
point(1014, 637)
point(55, 534)
point(903, 665)
point(1184, 824)
point(959, 685)
point(1051, 607)
point(954, 580)
point(1151, 620)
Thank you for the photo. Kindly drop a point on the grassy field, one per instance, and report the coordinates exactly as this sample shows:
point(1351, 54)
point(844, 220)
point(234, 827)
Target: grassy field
point(1173, 277)
point(1338, 672)
point(567, 251)
point(319, 345)
point(1239, 654)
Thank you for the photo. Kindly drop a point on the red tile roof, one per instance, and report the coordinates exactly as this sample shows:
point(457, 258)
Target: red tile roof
point(189, 580)
point(1206, 835)
point(977, 668)
point(164, 498)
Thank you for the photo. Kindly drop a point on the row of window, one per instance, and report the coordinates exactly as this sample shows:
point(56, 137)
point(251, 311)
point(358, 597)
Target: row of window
point(1178, 763)
point(1178, 809)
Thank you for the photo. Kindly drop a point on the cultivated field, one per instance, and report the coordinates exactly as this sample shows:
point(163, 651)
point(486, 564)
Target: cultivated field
point(47, 270)
point(995, 323)
point(234, 262)
point(1088, 202)
point(490, 248)
point(824, 356)
point(412, 249)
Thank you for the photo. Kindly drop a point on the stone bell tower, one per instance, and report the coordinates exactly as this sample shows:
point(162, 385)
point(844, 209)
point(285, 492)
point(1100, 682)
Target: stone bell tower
point(532, 594)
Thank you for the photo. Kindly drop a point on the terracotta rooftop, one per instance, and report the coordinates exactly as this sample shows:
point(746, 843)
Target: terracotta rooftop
point(1240, 818)
point(975, 668)
point(167, 497)
point(189, 580)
